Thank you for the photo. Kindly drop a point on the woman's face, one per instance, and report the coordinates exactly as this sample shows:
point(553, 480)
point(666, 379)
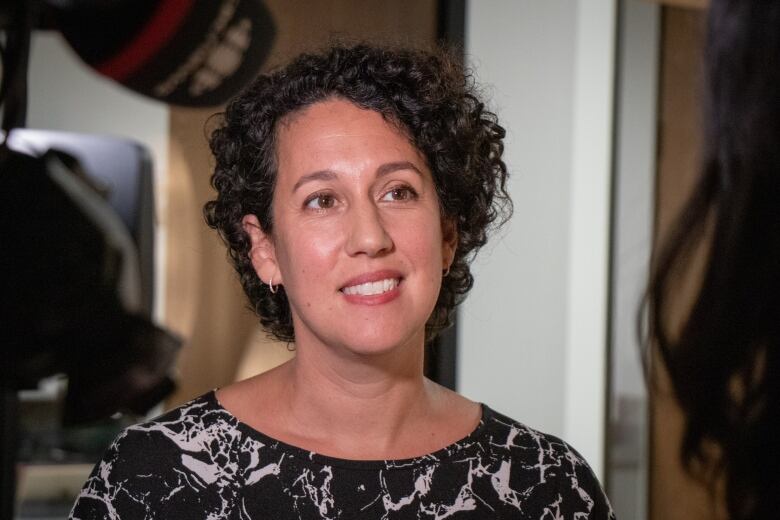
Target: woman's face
point(357, 241)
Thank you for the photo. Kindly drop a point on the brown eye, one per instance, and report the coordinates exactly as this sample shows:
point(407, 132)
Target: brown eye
point(401, 193)
point(321, 201)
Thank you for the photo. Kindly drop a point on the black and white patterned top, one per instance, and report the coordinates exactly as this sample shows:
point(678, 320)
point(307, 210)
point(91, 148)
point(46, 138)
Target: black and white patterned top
point(199, 462)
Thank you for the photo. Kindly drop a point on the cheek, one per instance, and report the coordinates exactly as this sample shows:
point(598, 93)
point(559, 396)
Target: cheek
point(422, 241)
point(307, 254)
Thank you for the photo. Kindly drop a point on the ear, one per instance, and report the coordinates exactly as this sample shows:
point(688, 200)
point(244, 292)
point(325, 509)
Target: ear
point(449, 242)
point(262, 253)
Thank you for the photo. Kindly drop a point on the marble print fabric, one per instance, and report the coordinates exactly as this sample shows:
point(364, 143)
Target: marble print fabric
point(200, 462)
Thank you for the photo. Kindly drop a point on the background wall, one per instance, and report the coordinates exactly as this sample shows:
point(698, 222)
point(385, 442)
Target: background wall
point(636, 127)
point(532, 334)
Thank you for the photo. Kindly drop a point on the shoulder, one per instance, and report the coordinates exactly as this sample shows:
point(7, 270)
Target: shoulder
point(540, 465)
point(156, 462)
point(181, 434)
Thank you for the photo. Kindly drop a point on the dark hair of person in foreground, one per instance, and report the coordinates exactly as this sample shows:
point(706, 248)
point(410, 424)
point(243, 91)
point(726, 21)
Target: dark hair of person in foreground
point(723, 360)
point(427, 95)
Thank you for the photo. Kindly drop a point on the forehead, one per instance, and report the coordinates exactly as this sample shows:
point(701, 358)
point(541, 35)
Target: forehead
point(336, 130)
point(335, 112)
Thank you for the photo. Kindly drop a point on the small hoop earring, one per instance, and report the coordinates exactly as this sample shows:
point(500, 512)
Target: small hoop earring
point(271, 286)
point(446, 272)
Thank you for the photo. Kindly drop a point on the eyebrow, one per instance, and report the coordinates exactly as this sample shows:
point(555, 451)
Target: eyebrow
point(396, 166)
point(329, 175)
point(322, 175)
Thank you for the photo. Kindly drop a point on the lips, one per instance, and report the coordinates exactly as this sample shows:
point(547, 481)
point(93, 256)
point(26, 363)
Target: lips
point(372, 286)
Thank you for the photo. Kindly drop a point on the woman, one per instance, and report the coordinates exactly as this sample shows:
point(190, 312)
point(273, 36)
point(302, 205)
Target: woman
point(724, 360)
point(354, 187)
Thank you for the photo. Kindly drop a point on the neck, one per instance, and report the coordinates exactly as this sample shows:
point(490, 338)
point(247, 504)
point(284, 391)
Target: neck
point(354, 406)
point(357, 400)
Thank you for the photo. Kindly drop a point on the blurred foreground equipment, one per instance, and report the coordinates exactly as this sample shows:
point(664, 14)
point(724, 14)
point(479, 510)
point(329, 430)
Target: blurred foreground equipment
point(76, 230)
point(79, 281)
point(181, 52)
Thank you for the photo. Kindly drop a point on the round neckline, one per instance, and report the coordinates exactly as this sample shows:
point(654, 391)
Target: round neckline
point(441, 454)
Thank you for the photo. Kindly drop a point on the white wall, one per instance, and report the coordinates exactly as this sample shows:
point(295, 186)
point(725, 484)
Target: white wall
point(636, 127)
point(532, 334)
point(64, 94)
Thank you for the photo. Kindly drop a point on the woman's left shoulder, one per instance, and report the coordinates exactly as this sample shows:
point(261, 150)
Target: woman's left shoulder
point(545, 465)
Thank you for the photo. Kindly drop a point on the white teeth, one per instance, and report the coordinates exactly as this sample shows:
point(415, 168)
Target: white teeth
point(372, 288)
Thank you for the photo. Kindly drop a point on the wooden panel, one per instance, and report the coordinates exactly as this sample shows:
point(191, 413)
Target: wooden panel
point(304, 24)
point(679, 121)
point(674, 495)
point(204, 302)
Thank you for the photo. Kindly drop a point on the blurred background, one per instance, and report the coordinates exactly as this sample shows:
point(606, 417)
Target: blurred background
point(600, 99)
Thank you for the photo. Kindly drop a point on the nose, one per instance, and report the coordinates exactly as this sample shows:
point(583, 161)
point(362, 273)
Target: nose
point(368, 234)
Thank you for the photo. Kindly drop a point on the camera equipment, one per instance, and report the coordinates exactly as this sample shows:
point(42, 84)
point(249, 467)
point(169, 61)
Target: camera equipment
point(76, 238)
point(78, 233)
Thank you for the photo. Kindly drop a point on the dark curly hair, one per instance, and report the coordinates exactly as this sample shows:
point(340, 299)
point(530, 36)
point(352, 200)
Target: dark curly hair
point(723, 361)
point(426, 94)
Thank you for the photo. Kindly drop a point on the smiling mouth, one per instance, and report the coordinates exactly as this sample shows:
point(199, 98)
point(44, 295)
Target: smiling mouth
point(372, 288)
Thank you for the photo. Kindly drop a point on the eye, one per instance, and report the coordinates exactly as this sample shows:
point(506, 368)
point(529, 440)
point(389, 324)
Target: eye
point(400, 193)
point(320, 201)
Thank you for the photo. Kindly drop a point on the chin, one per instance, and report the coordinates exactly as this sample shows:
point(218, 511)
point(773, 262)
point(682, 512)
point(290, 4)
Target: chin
point(364, 337)
point(380, 344)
